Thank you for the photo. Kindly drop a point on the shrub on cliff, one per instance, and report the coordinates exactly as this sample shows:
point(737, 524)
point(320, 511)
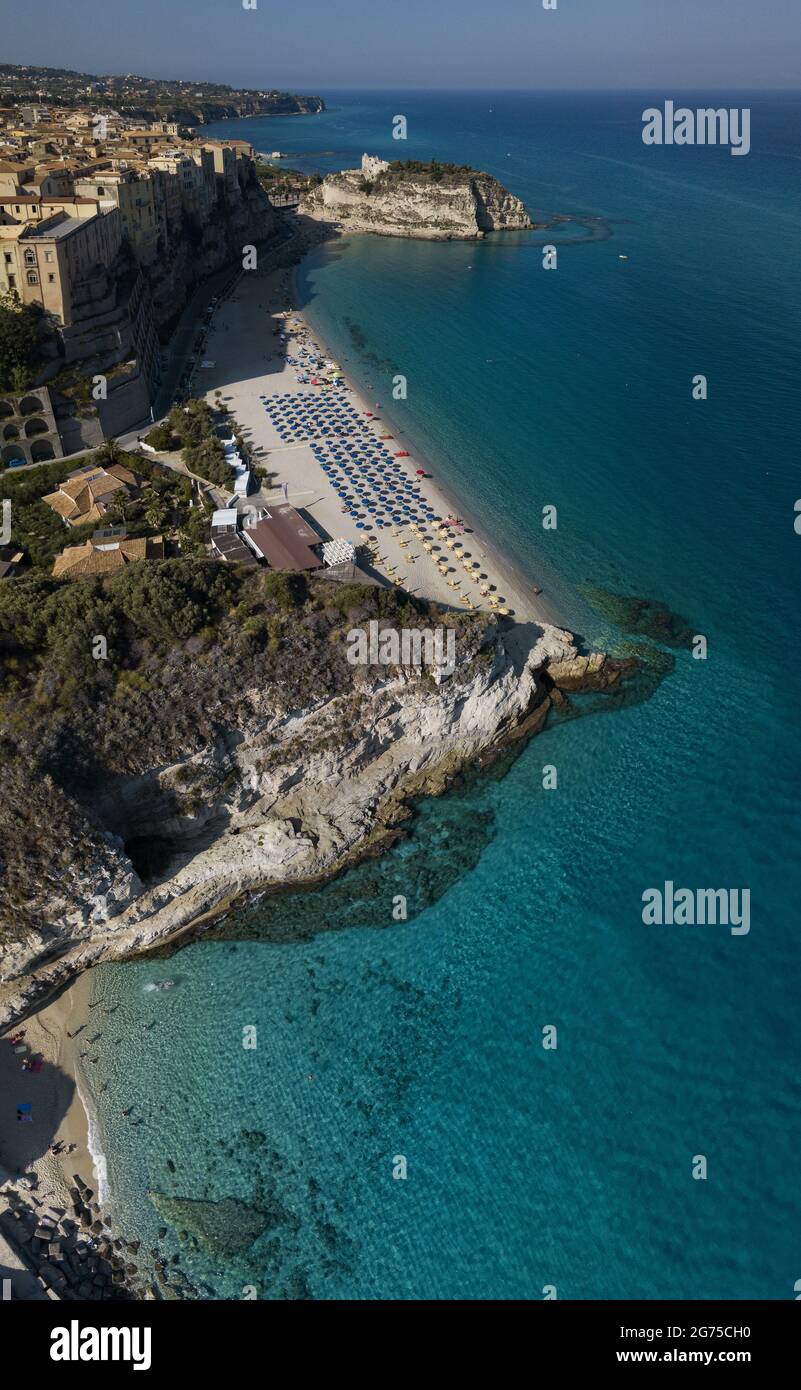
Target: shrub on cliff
point(207, 459)
point(284, 589)
point(163, 438)
point(18, 339)
point(174, 598)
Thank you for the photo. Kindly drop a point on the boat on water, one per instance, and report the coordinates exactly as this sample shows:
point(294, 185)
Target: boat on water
point(159, 986)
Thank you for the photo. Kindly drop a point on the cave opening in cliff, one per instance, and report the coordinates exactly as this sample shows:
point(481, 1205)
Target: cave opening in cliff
point(150, 855)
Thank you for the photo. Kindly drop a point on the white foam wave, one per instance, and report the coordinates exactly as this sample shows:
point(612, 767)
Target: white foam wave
point(93, 1144)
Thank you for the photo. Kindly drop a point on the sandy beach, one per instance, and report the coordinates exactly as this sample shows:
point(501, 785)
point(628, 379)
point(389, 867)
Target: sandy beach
point(249, 364)
point(57, 1115)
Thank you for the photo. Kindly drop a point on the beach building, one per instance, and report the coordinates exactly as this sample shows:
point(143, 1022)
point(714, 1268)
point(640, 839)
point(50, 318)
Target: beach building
point(340, 552)
point(284, 540)
point(226, 541)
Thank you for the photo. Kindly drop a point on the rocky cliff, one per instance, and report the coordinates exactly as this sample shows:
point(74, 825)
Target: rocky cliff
point(432, 202)
point(274, 104)
point(246, 219)
point(262, 759)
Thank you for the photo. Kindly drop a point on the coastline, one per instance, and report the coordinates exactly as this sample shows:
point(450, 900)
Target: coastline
point(60, 1111)
point(65, 1113)
point(249, 368)
point(536, 607)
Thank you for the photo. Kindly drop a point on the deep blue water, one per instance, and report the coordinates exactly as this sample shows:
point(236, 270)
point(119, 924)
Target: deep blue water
point(529, 1167)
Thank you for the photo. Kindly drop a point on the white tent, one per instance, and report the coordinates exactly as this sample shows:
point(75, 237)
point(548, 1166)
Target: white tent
point(339, 552)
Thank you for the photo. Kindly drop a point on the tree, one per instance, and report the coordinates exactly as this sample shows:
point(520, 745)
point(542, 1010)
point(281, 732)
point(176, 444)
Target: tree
point(18, 338)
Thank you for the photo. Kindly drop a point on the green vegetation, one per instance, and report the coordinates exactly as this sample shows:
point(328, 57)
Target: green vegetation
point(192, 425)
point(163, 438)
point(165, 504)
point(35, 527)
point(19, 326)
point(198, 655)
point(48, 626)
point(416, 170)
point(285, 183)
point(74, 386)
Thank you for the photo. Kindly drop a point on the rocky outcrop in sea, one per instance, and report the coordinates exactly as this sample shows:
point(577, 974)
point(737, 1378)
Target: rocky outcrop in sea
point(434, 203)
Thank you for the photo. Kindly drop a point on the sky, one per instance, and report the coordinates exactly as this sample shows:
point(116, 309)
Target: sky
point(316, 46)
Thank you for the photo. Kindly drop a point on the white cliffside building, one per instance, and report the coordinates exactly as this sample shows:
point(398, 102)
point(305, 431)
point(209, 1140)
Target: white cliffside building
point(372, 166)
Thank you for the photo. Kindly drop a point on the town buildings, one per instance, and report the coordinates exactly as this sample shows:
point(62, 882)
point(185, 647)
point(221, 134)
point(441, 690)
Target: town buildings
point(107, 220)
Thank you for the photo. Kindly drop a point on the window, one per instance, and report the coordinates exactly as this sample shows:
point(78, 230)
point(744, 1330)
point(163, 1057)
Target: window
point(8, 258)
point(30, 258)
point(48, 255)
point(51, 279)
point(33, 278)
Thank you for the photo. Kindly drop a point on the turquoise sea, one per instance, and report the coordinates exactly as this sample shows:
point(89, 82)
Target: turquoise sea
point(526, 1167)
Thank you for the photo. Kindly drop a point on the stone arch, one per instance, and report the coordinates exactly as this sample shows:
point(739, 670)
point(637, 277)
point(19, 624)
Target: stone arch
point(6, 409)
point(35, 426)
point(13, 451)
point(11, 432)
point(30, 405)
point(41, 449)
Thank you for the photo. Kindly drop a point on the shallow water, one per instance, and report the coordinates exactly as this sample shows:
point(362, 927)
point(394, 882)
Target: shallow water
point(422, 1038)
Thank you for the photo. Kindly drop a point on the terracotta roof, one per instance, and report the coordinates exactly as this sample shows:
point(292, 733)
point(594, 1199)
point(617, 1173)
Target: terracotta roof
point(83, 495)
point(97, 556)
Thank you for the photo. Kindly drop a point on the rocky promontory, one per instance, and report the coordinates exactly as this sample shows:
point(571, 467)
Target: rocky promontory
point(434, 202)
point(143, 792)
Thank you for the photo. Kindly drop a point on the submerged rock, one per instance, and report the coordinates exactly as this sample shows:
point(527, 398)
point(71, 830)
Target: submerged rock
point(640, 617)
point(224, 1229)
